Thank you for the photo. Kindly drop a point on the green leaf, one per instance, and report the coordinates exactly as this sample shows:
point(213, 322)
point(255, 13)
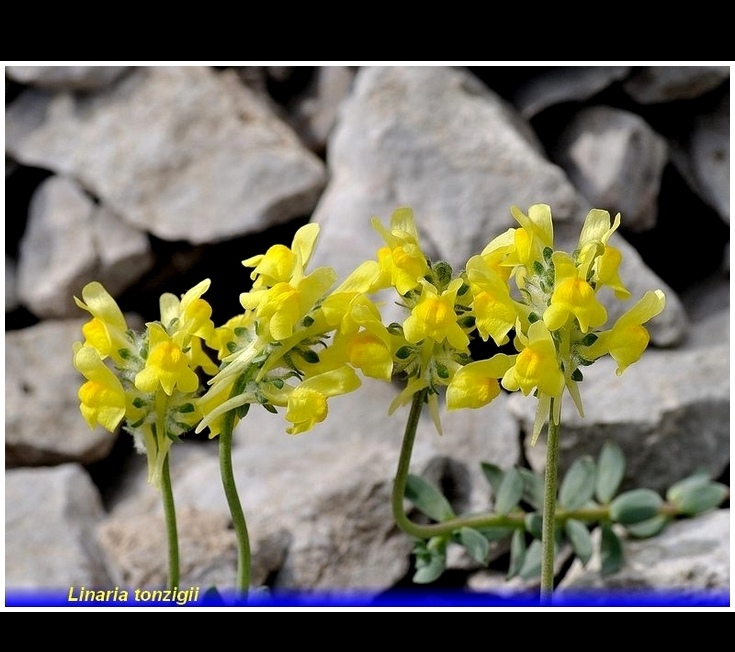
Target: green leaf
point(696, 494)
point(531, 568)
point(533, 523)
point(494, 474)
point(580, 538)
point(610, 471)
point(476, 544)
point(578, 485)
point(431, 560)
point(611, 551)
point(649, 528)
point(495, 533)
point(517, 553)
point(533, 488)
point(635, 506)
point(428, 499)
point(678, 488)
point(510, 492)
point(697, 499)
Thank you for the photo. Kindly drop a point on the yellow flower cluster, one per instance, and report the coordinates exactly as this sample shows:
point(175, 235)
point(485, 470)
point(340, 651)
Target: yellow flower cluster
point(300, 341)
point(518, 284)
point(151, 381)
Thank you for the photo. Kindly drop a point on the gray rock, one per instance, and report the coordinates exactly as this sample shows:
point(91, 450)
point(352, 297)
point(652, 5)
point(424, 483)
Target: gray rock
point(43, 424)
point(70, 241)
point(709, 150)
point(669, 412)
point(11, 285)
point(690, 559)
point(67, 78)
point(315, 113)
point(182, 152)
point(438, 140)
point(570, 83)
point(135, 549)
point(615, 160)
point(50, 520)
point(657, 84)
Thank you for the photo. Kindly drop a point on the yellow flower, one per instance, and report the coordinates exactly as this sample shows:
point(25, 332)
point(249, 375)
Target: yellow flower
point(434, 317)
point(476, 384)
point(281, 264)
point(628, 339)
point(307, 403)
point(166, 366)
point(495, 312)
point(107, 330)
point(402, 262)
point(102, 396)
point(596, 231)
point(572, 295)
point(537, 365)
point(536, 233)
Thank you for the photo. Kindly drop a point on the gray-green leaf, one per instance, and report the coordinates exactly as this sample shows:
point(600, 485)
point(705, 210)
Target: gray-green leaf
point(428, 499)
point(510, 492)
point(476, 544)
point(611, 551)
point(517, 553)
point(580, 538)
point(578, 485)
point(610, 471)
point(635, 506)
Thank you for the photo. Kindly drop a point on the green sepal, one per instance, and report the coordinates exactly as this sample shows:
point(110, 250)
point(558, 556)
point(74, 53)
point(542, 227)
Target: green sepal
point(589, 339)
point(404, 352)
point(312, 357)
point(307, 321)
point(579, 537)
point(186, 408)
point(578, 485)
point(269, 407)
point(428, 499)
point(441, 370)
point(138, 402)
point(242, 411)
point(125, 354)
point(610, 472)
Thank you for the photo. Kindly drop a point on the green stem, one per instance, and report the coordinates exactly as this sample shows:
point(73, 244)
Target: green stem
point(404, 462)
point(549, 515)
point(167, 496)
point(233, 501)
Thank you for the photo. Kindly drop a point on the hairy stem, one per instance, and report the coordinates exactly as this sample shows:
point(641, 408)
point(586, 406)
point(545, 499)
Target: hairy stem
point(549, 515)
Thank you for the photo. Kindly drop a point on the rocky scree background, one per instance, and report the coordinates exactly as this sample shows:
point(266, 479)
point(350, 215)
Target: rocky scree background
point(150, 179)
